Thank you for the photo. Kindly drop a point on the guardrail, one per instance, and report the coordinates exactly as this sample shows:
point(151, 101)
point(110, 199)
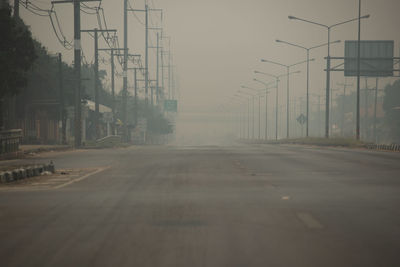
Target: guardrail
point(9, 141)
point(391, 147)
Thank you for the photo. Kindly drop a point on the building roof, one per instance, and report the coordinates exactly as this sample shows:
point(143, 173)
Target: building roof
point(102, 108)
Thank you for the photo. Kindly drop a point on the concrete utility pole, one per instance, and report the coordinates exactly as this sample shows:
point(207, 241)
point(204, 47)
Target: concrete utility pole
point(136, 97)
point(375, 105)
point(77, 66)
point(147, 28)
point(146, 71)
point(157, 71)
point(358, 72)
point(16, 8)
point(162, 68)
point(96, 77)
point(62, 105)
point(366, 105)
point(112, 80)
point(157, 47)
point(169, 68)
point(135, 80)
point(125, 77)
point(343, 106)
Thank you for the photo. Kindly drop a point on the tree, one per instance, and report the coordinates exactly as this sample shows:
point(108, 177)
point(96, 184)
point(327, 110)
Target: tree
point(17, 53)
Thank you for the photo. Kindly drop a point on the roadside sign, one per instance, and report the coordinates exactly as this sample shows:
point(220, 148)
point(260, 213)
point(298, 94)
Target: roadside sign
point(171, 105)
point(301, 119)
point(376, 58)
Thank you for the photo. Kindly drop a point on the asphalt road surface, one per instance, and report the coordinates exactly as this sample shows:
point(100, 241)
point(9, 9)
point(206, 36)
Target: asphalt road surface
point(209, 206)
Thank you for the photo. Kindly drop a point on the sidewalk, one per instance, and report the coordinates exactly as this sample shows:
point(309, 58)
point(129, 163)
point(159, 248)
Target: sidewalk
point(33, 149)
point(25, 153)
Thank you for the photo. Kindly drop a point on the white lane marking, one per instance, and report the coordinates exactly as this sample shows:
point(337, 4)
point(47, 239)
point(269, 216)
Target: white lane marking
point(309, 220)
point(82, 178)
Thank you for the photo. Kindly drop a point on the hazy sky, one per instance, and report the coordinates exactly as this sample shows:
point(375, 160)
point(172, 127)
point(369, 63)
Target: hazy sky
point(217, 44)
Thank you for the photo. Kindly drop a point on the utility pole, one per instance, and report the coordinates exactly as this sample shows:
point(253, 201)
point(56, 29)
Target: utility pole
point(136, 97)
point(162, 69)
point(343, 106)
point(16, 9)
point(366, 130)
point(113, 91)
point(358, 72)
point(157, 71)
point(96, 84)
point(112, 80)
point(96, 77)
point(375, 105)
point(62, 107)
point(332, 90)
point(77, 66)
point(125, 77)
point(135, 80)
point(12, 101)
point(146, 71)
point(169, 68)
point(77, 69)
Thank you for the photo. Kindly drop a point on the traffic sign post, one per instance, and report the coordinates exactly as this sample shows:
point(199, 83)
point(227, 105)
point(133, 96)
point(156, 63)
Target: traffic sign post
point(302, 120)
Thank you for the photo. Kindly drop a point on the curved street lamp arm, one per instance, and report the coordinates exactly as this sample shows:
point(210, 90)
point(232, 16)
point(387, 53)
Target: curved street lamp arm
point(246, 93)
point(273, 62)
point(309, 21)
point(301, 62)
point(350, 20)
point(284, 42)
point(264, 83)
point(267, 74)
point(318, 46)
point(290, 73)
point(246, 87)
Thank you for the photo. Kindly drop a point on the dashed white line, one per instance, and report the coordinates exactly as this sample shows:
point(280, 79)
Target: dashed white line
point(309, 220)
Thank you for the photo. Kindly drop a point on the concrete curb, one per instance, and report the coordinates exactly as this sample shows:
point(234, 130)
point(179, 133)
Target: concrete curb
point(382, 147)
point(25, 172)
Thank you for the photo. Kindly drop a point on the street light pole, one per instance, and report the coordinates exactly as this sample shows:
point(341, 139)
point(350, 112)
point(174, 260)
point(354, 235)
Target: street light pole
point(287, 89)
point(253, 118)
point(266, 105)
point(248, 112)
point(308, 49)
point(276, 97)
point(242, 127)
point(328, 63)
point(259, 110)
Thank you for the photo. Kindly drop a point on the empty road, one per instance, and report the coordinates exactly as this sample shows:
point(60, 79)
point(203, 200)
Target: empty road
point(228, 206)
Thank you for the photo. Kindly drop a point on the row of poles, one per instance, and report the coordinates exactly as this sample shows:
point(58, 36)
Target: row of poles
point(114, 52)
point(288, 67)
point(246, 122)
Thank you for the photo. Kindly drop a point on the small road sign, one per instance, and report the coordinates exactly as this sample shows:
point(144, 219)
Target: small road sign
point(302, 119)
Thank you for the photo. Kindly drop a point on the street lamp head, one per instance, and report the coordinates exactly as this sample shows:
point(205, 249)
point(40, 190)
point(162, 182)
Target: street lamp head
point(292, 17)
point(278, 41)
point(263, 60)
point(366, 16)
